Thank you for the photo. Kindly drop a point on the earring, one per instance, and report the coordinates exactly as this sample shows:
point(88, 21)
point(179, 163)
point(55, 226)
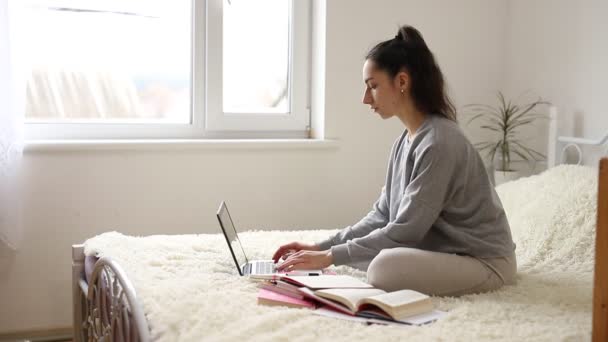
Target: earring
point(401, 91)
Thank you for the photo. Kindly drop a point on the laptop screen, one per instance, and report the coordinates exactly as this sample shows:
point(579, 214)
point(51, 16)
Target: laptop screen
point(231, 236)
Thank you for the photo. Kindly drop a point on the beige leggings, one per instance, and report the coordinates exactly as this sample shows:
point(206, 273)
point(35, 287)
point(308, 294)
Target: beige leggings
point(438, 274)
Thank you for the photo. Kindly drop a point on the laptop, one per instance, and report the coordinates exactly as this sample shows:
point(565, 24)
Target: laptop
point(246, 267)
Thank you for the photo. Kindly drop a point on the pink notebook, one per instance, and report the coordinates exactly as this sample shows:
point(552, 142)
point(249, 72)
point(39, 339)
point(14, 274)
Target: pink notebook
point(266, 297)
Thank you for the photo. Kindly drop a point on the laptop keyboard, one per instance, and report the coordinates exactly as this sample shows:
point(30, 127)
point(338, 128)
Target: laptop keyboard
point(264, 267)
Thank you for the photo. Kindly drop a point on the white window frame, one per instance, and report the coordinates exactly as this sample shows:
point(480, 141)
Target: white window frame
point(208, 121)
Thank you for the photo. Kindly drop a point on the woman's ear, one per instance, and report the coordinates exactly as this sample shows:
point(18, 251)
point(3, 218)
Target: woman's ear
point(403, 81)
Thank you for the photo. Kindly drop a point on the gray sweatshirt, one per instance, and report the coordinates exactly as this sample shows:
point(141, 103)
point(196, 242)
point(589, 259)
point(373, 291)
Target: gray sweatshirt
point(437, 197)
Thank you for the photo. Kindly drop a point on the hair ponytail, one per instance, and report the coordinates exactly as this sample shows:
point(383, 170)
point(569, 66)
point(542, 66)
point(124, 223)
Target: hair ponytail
point(408, 51)
point(411, 37)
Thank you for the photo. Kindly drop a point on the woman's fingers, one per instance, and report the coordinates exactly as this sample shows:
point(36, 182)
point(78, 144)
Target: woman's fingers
point(277, 255)
point(289, 263)
point(292, 248)
point(298, 253)
point(307, 260)
point(281, 251)
point(289, 253)
point(298, 260)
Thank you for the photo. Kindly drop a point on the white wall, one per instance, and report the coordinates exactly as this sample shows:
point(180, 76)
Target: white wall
point(559, 49)
point(74, 195)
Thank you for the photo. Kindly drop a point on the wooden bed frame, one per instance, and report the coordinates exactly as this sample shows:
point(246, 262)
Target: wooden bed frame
point(126, 316)
point(600, 286)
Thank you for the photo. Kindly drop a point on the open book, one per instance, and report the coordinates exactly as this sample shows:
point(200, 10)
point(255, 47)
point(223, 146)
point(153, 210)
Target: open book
point(326, 281)
point(271, 298)
point(283, 288)
point(373, 303)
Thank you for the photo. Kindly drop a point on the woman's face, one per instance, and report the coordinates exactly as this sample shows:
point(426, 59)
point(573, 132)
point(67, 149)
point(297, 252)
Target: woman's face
point(382, 93)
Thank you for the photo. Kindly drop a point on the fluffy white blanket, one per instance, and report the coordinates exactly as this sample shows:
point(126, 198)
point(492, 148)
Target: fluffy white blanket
point(190, 291)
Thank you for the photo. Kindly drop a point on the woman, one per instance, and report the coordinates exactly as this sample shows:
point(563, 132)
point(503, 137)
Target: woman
point(438, 226)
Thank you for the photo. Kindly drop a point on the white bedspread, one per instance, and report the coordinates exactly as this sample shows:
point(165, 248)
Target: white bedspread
point(190, 291)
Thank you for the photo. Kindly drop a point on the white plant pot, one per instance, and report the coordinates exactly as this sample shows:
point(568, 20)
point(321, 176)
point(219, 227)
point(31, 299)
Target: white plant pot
point(504, 176)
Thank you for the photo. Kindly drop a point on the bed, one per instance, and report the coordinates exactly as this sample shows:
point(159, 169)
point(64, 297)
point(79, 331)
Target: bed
point(185, 287)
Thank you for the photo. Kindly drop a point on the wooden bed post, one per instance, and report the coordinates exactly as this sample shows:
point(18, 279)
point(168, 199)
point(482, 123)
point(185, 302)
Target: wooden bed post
point(600, 288)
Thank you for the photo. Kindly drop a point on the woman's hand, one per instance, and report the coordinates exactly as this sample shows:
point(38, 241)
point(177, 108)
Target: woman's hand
point(306, 260)
point(288, 249)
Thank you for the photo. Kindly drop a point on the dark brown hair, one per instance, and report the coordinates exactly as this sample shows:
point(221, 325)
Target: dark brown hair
point(408, 52)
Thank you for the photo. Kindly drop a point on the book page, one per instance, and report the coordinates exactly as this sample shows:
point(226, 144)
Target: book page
point(399, 298)
point(324, 311)
point(348, 297)
point(272, 298)
point(413, 320)
point(287, 286)
point(326, 281)
point(401, 304)
point(335, 305)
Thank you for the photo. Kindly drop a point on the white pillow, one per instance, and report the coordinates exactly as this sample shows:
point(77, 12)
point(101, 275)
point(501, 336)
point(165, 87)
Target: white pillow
point(553, 217)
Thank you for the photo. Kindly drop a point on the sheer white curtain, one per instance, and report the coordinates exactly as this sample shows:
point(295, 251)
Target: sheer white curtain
point(12, 99)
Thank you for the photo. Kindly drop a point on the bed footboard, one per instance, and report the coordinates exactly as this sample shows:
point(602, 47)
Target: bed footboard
point(600, 294)
point(106, 308)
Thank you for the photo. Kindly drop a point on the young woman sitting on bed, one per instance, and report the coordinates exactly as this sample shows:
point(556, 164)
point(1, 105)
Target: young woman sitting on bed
point(438, 226)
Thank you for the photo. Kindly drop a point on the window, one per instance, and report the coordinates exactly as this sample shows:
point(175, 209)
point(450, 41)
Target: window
point(165, 69)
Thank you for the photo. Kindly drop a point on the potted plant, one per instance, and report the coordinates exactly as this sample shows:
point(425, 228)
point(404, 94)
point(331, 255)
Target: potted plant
point(504, 120)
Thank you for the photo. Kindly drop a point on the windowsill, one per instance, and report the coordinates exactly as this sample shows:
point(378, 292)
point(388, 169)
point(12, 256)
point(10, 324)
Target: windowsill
point(177, 144)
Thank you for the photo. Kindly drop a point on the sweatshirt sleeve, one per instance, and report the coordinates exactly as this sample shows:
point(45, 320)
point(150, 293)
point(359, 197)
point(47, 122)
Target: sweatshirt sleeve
point(422, 202)
point(376, 218)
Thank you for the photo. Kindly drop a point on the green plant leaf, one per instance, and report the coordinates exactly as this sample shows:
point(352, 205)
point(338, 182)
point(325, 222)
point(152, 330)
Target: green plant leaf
point(504, 108)
point(521, 149)
point(520, 123)
point(531, 151)
point(476, 117)
point(514, 109)
point(490, 119)
point(500, 124)
point(521, 154)
point(492, 128)
point(485, 147)
point(529, 116)
point(508, 110)
point(538, 154)
point(504, 119)
point(528, 108)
